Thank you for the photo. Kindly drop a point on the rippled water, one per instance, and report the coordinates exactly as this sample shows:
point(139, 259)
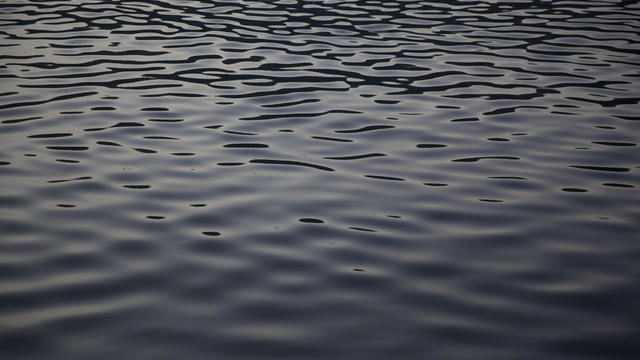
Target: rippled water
point(326, 179)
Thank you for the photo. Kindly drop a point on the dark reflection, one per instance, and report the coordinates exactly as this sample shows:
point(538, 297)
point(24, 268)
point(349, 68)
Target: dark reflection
point(354, 157)
point(65, 205)
point(230, 163)
point(45, 136)
point(436, 184)
point(365, 128)
point(618, 185)
point(331, 139)
point(381, 177)
point(576, 190)
point(127, 124)
point(311, 220)
point(68, 148)
point(137, 186)
point(246, 145)
point(211, 233)
point(161, 138)
point(613, 143)
point(601, 168)
point(361, 229)
point(66, 180)
point(145, 151)
point(474, 159)
point(290, 162)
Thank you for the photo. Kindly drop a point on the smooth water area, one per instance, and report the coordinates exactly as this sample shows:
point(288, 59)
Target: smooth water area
point(328, 179)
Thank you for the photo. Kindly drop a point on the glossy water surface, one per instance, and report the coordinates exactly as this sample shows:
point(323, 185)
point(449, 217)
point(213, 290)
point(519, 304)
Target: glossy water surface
point(328, 179)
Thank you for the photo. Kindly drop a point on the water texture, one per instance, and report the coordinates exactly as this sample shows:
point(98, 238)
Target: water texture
point(328, 179)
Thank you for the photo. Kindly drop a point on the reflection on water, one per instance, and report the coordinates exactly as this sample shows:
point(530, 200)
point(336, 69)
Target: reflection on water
point(319, 179)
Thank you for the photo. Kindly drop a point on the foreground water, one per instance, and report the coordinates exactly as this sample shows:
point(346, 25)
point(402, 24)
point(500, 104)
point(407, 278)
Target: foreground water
point(319, 179)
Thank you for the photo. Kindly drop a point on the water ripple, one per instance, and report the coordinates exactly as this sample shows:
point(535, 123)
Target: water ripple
point(319, 179)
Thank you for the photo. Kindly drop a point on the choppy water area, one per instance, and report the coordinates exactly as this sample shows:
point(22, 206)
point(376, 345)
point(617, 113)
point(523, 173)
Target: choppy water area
point(319, 179)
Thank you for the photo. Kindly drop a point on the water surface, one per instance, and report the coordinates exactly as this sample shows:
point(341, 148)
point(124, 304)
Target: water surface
point(319, 179)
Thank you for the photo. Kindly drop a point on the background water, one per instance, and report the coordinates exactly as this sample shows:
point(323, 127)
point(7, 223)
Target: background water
point(319, 179)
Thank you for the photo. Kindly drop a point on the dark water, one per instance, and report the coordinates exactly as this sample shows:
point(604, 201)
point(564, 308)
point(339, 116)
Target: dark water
point(319, 179)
